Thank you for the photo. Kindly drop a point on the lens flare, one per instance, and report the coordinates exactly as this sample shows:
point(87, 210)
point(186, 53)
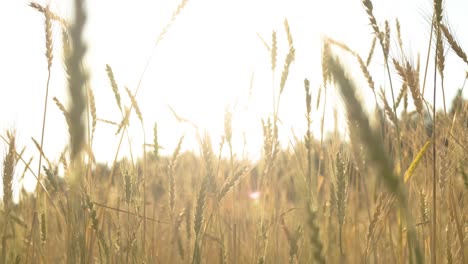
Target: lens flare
point(254, 195)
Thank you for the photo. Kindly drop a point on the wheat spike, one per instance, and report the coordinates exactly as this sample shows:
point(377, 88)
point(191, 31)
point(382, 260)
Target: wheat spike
point(8, 171)
point(362, 65)
point(371, 51)
point(400, 40)
point(440, 56)
point(92, 106)
point(388, 110)
point(438, 11)
point(325, 71)
point(423, 206)
point(230, 183)
point(366, 73)
point(124, 121)
point(52, 15)
point(48, 35)
point(155, 142)
point(171, 172)
point(274, 50)
point(228, 127)
point(200, 207)
point(208, 158)
point(41, 151)
point(63, 110)
point(107, 122)
point(373, 22)
point(376, 218)
point(43, 224)
point(198, 222)
point(386, 40)
point(128, 184)
point(410, 77)
point(179, 9)
point(284, 75)
point(115, 88)
point(135, 104)
point(453, 43)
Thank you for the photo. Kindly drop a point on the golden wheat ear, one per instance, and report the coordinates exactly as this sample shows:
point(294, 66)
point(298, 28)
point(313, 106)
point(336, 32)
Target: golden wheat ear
point(454, 44)
point(9, 163)
point(8, 171)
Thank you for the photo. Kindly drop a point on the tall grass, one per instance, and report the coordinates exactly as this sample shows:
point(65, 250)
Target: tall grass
point(362, 199)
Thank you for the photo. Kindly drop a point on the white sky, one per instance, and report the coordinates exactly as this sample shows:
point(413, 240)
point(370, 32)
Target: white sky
point(202, 66)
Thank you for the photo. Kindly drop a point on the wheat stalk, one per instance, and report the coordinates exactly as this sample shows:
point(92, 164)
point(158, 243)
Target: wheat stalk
point(308, 136)
point(49, 56)
point(95, 223)
point(374, 148)
point(77, 81)
point(198, 222)
point(441, 64)
point(110, 122)
point(315, 236)
point(438, 58)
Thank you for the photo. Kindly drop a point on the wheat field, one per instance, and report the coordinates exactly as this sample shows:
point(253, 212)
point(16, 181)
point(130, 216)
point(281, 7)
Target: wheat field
point(391, 188)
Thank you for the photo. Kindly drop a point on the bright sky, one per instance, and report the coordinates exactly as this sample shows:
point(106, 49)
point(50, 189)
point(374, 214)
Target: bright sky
point(202, 67)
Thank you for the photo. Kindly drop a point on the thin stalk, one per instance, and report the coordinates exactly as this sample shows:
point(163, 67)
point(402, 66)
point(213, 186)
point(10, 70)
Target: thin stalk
point(233, 204)
point(341, 242)
point(434, 167)
point(321, 140)
point(39, 167)
point(144, 190)
point(397, 126)
point(428, 55)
